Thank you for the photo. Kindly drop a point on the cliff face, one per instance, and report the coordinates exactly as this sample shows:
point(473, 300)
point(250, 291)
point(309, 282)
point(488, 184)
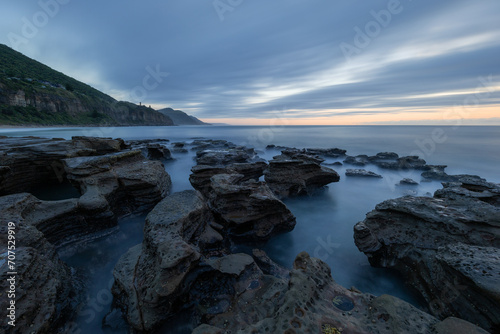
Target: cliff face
point(32, 93)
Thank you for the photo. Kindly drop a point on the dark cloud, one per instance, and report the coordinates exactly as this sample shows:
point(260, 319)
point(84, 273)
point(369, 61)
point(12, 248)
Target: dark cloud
point(265, 56)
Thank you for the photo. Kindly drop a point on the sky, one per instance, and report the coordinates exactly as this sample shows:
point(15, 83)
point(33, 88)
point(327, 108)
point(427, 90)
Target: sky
point(284, 62)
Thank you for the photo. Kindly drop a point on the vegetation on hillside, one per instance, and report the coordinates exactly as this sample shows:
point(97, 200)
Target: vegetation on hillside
point(18, 72)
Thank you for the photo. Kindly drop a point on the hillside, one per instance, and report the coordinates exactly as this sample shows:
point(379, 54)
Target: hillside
point(32, 93)
point(181, 118)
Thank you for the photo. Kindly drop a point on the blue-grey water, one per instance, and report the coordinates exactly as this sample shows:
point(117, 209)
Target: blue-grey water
point(324, 222)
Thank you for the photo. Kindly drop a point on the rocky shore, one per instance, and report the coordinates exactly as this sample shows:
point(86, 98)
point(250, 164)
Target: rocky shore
point(202, 249)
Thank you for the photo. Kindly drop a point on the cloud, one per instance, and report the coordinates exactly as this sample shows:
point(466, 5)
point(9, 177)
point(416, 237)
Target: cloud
point(266, 56)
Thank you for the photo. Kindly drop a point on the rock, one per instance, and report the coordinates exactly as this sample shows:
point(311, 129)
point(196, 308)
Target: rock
point(408, 181)
point(312, 302)
point(224, 157)
point(296, 173)
point(299, 155)
point(149, 278)
point(403, 163)
point(327, 152)
point(30, 162)
point(336, 163)
point(201, 174)
point(158, 152)
point(359, 160)
point(179, 147)
point(46, 290)
point(210, 144)
point(249, 209)
point(384, 156)
point(454, 325)
point(447, 247)
point(100, 145)
point(438, 173)
point(118, 183)
point(361, 172)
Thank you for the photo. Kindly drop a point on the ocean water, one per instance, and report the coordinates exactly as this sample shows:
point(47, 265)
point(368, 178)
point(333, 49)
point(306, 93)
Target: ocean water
point(324, 221)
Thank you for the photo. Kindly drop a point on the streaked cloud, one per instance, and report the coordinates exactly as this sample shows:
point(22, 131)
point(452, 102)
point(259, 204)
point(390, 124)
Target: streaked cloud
point(266, 57)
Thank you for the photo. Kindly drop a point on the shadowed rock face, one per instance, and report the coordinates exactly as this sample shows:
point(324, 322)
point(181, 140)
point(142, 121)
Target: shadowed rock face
point(28, 162)
point(296, 172)
point(45, 287)
point(447, 247)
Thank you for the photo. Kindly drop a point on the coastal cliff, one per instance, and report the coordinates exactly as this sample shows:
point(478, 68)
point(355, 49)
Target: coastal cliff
point(32, 93)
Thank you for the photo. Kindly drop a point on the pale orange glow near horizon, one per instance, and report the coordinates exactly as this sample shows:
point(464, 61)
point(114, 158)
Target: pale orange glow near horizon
point(443, 116)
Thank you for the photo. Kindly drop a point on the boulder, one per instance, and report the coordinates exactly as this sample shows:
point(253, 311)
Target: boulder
point(222, 157)
point(149, 278)
point(403, 163)
point(100, 145)
point(408, 181)
point(118, 183)
point(447, 247)
point(201, 174)
point(359, 160)
point(158, 152)
point(296, 173)
point(362, 173)
point(249, 210)
point(384, 156)
point(327, 152)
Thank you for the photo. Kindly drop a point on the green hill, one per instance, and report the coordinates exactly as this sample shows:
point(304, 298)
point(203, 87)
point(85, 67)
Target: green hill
point(32, 93)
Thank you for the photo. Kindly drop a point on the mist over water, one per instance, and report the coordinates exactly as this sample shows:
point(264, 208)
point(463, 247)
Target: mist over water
point(324, 221)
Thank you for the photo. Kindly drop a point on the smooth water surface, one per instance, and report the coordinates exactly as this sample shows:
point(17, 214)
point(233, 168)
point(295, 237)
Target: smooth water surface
point(324, 221)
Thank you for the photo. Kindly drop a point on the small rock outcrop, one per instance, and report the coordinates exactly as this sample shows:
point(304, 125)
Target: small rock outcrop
point(362, 173)
point(447, 247)
point(296, 173)
point(408, 181)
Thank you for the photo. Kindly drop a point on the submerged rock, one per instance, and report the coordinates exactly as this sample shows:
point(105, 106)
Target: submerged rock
point(362, 173)
point(296, 173)
point(447, 247)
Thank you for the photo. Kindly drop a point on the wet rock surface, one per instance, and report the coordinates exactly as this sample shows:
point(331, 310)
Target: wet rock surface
point(447, 247)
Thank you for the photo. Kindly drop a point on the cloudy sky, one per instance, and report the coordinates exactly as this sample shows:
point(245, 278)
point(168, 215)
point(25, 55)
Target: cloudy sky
point(261, 61)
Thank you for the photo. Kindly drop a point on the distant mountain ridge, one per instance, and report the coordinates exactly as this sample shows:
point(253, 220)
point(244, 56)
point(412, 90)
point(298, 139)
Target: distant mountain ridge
point(32, 93)
point(181, 118)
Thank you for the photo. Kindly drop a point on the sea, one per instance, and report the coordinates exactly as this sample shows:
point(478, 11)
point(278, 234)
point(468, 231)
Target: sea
point(325, 221)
